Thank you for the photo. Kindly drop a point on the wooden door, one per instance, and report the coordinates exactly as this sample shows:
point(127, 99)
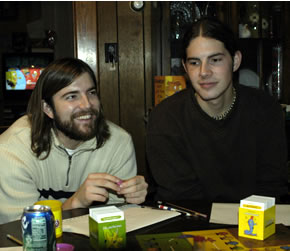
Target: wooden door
point(126, 86)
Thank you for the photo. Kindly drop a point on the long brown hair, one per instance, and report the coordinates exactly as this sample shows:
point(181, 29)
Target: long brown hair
point(56, 76)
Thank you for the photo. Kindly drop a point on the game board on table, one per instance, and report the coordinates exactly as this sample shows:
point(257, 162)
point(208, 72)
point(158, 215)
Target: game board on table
point(219, 239)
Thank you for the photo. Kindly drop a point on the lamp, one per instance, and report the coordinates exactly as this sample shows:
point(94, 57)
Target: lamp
point(137, 5)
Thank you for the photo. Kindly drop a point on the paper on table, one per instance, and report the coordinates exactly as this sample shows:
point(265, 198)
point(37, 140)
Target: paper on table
point(78, 225)
point(227, 213)
point(136, 217)
point(12, 249)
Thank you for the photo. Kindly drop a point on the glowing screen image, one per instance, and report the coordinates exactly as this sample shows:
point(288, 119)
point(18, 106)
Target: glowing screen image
point(22, 79)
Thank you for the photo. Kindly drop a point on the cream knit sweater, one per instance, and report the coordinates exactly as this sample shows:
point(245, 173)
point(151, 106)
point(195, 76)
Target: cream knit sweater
point(24, 179)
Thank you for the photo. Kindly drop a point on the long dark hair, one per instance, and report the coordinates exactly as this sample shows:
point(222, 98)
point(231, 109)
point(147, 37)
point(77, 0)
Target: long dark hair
point(210, 28)
point(56, 76)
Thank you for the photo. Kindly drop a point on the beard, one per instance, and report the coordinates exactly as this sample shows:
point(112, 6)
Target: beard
point(70, 129)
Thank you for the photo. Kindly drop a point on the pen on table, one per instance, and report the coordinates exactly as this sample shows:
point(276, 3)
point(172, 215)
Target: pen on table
point(12, 238)
point(185, 209)
point(174, 209)
point(188, 210)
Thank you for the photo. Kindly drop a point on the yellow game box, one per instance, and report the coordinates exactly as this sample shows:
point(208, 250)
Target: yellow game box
point(257, 217)
point(165, 86)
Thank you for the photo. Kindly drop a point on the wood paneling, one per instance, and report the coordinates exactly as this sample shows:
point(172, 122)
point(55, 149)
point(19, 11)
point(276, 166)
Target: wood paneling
point(148, 57)
point(131, 66)
point(156, 38)
point(85, 30)
point(286, 52)
point(108, 78)
point(165, 43)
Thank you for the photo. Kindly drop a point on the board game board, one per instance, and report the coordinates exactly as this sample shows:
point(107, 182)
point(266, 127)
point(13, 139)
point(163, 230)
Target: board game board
point(219, 239)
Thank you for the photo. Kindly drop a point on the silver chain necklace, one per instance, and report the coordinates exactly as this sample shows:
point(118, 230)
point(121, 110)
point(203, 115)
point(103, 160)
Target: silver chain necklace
point(226, 112)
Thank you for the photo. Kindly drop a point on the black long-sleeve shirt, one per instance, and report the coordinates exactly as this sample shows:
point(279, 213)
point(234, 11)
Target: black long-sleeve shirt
point(192, 156)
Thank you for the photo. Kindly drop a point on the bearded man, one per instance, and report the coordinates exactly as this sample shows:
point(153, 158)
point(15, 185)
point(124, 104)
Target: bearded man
point(64, 148)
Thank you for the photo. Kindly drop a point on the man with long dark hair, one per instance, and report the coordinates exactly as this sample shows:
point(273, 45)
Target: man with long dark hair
point(65, 149)
point(216, 140)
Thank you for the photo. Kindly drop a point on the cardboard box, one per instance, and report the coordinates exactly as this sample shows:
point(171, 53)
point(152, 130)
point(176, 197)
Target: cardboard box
point(107, 228)
point(165, 86)
point(257, 217)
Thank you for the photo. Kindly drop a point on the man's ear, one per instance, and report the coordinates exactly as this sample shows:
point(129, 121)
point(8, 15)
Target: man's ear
point(237, 60)
point(47, 109)
point(184, 66)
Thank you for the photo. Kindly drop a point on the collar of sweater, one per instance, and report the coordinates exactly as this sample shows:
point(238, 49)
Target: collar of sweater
point(86, 145)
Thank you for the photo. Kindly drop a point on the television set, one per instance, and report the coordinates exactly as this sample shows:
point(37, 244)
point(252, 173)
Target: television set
point(21, 72)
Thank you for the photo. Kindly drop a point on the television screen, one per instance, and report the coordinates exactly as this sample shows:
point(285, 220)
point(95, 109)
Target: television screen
point(22, 78)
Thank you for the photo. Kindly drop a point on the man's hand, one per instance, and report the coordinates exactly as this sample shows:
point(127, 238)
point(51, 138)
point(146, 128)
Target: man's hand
point(94, 188)
point(134, 190)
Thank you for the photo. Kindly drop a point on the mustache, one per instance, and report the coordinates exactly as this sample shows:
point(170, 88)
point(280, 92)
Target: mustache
point(89, 111)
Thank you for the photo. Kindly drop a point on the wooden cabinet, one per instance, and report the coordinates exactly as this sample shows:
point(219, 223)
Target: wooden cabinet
point(266, 49)
point(261, 42)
